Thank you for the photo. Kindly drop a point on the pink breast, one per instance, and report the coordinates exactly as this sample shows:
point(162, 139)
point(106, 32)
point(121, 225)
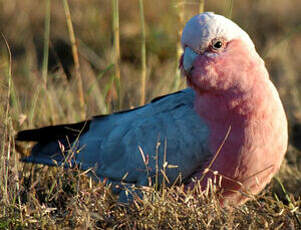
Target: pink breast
point(257, 142)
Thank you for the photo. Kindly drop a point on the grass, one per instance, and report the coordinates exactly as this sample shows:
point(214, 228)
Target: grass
point(116, 82)
point(75, 59)
point(143, 55)
point(34, 196)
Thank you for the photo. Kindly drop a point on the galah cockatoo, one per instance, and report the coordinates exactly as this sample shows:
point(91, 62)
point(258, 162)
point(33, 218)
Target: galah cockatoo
point(229, 123)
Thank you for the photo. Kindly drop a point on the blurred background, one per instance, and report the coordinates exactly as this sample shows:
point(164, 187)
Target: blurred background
point(273, 25)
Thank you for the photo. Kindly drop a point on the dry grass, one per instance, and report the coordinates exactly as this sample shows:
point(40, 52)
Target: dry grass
point(41, 197)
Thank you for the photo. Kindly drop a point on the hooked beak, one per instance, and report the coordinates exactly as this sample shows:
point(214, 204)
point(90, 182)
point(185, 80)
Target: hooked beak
point(188, 59)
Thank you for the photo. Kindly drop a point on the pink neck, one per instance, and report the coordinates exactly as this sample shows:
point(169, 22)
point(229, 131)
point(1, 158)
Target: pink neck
point(223, 111)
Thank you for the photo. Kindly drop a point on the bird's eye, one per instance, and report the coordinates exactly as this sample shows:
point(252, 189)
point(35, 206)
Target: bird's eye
point(217, 44)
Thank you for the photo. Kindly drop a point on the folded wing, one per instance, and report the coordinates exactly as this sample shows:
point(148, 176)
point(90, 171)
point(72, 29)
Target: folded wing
point(131, 145)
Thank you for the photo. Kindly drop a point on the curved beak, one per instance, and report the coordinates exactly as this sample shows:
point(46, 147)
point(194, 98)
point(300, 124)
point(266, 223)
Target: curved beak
point(188, 59)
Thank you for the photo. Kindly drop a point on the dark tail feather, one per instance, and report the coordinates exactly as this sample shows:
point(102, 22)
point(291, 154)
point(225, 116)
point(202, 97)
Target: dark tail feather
point(51, 133)
point(53, 143)
point(45, 154)
point(53, 154)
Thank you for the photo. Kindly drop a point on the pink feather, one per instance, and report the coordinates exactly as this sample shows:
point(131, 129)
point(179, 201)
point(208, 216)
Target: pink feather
point(233, 89)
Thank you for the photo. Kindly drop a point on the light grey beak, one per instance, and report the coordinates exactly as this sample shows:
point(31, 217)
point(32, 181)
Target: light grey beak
point(188, 59)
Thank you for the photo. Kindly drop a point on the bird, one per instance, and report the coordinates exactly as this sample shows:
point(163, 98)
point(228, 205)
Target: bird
point(229, 122)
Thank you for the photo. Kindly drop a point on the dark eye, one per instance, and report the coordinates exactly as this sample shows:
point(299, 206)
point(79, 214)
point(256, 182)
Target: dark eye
point(217, 44)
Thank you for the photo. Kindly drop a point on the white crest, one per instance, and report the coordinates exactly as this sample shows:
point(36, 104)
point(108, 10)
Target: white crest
point(202, 28)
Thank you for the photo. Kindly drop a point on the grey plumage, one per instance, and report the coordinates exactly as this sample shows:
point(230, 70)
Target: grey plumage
point(110, 144)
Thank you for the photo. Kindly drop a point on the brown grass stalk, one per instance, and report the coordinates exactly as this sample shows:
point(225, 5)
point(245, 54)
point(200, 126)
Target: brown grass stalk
point(201, 6)
point(75, 59)
point(45, 60)
point(180, 12)
point(217, 153)
point(115, 8)
point(4, 167)
point(8, 143)
point(230, 8)
point(143, 55)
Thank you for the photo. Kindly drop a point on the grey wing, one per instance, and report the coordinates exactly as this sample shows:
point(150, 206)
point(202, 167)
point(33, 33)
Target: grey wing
point(134, 146)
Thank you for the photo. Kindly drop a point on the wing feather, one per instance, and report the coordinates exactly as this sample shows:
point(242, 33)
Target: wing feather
point(168, 126)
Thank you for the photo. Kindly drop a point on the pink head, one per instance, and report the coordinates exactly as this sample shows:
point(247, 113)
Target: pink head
point(214, 46)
